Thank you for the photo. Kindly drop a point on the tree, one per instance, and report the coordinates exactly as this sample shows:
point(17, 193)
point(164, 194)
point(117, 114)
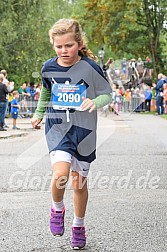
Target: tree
point(23, 26)
point(129, 27)
point(126, 28)
point(116, 26)
point(24, 44)
point(155, 12)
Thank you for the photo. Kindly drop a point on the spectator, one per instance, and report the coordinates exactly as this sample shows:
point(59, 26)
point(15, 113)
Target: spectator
point(135, 100)
point(140, 66)
point(165, 98)
point(4, 72)
point(133, 74)
point(159, 93)
point(38, 91)
point(124, 66)
point(10, 87)
point(147, 65)
point(148, 97)
point(127, 100)
point(121, 91)
point(23, 99)
point(22, 90)
point(134, 68)
point(142, 101)
point(31, 99)
point(3, 93)
point(10, 97)
point(15, 108)
point(30, 89)
point(124, 69)
point(9, 84)
point(133, 64)
point(118, 102)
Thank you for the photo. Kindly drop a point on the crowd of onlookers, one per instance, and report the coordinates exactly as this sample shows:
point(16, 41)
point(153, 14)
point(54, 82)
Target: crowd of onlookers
point(133, 89)
point(130, 100)
point(14, 103)
point(143, 98)
point(28, 97)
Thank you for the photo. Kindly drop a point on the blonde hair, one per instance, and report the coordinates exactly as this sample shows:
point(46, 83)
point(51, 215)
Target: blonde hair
point(15, 92)
point(64, 26)
point(4, 72)
point(160, 75)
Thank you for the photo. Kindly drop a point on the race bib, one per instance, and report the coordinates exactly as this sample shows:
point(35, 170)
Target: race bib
point(66, 96)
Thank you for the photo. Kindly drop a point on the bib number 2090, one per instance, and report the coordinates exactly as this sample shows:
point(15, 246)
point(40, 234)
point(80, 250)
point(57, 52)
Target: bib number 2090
point(65, 97)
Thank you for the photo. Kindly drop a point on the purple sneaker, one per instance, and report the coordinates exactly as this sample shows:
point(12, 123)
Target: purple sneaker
point(78, 240)
point(57, 222)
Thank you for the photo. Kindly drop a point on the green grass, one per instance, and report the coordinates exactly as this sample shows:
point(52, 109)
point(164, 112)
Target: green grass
point(153, 113)
point(148, 113)
point(164, 116)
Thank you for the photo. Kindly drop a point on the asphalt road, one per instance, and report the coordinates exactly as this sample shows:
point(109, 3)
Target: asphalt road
point(127, 209)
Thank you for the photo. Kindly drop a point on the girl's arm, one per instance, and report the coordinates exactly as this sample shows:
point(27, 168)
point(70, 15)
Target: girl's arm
point(99, 102)
point(41, 107)
point(42, 103)
point(102, 100)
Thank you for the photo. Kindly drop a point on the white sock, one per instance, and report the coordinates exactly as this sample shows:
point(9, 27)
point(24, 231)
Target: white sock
point(58, 206)
point(78, 222)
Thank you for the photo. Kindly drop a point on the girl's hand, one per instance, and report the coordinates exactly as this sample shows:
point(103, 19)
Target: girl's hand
point(35, 122)
point(87, 104)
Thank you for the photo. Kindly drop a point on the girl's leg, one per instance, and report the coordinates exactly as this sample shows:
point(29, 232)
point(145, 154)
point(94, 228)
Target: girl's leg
point(79, 185)
point(59, 179)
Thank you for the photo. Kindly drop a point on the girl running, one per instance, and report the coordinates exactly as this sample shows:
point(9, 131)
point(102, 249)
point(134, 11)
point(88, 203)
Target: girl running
point(73, 87)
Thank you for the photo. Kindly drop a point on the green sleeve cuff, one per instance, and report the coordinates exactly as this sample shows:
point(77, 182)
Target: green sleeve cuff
point(44, 99)
point(102, 100)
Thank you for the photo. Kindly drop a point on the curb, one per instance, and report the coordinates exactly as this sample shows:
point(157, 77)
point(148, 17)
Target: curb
point(12, 135)
point(23, 123)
